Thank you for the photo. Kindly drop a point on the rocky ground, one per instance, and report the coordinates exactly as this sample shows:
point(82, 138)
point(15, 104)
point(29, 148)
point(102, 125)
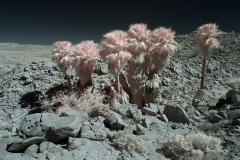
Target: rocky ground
point(31, 129)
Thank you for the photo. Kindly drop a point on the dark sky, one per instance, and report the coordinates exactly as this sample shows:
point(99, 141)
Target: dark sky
point(46, 21)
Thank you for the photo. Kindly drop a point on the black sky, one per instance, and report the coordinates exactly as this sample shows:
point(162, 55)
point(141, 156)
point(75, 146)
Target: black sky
point(46, 21)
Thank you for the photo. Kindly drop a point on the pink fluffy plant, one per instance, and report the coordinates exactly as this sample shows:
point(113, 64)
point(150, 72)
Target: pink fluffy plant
point(85, 57)
point(206, 40)
point(61, 56)
point(161, 47)
point(114, 50)
point(138, 35)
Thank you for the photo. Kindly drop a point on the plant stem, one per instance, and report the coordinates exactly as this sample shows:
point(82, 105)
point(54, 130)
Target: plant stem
point(69, 83)
point(203, 71)
point(117, 84)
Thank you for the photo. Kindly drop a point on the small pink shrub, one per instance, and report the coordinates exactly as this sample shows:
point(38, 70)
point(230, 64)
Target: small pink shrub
point(85, 57)
point(60, 55)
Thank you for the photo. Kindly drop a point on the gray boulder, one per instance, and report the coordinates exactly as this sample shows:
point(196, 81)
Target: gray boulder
point(74, 143)
point(176, 113)
point(233, 96)
point(150, 120)
point(83, 148)
point(16, 156)
point(31, 126)
point(49, 147)
point(33, 149)
point(3, 146)
point(94, 130)
point(51, 126)
point(61, 127)
point(21, 146)
point(5, 71)
point(115, 121)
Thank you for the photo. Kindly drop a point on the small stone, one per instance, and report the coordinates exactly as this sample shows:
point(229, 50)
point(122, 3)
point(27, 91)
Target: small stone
point(5, 126)
point(5, 71)
point(236, 122)
point(75, 143)
point(140, 129)
point(164, 118)
point(149, 111)
point(31, 149)
point(21, 146)
point(3, 146)
point(216, 118)
point(4, 134)
point(197, 113)
point(27, 82)
point(115, 121)
point(150, 120)
point(37, 75)
point(18, 90)
point(202, 110)
point(223, 114)
point(202, 104)
point(212, 103)
point(25, 76)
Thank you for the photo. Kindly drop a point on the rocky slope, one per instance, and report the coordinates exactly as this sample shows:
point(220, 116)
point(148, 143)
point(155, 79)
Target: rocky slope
point(30, 130)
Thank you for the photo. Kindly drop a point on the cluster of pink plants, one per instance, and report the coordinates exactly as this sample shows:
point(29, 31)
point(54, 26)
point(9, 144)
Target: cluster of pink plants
point(82, 58)
point(143, 52)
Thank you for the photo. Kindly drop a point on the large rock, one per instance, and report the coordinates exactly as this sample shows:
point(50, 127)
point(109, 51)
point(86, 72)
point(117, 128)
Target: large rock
point(176, 113)
point(33, 149)
point(115, 121)
point(61, 127)
point(233, 96)
point(5, 71)
point(49, 147)
point(3, 145)
point(21, 146)
point(31, 126)
point(16, 156)
point(94, 129)
point(51, 126)
point(83, 148)
point(151, 120)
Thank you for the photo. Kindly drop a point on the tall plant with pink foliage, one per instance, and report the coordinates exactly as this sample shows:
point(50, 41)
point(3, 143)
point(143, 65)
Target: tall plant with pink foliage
point(114, 50)
point(206, 40)
point(85, 57)
point(61, 55)
point(138, 35)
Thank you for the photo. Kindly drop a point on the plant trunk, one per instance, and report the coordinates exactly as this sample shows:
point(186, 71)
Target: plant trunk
point(203, 72)
point(117, 84)
point(69, 83)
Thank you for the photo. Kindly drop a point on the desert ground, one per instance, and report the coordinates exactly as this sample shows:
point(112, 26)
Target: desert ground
point(32, 128)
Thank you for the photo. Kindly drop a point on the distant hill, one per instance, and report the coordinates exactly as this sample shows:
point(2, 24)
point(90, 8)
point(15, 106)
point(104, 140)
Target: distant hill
point(23, 47)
